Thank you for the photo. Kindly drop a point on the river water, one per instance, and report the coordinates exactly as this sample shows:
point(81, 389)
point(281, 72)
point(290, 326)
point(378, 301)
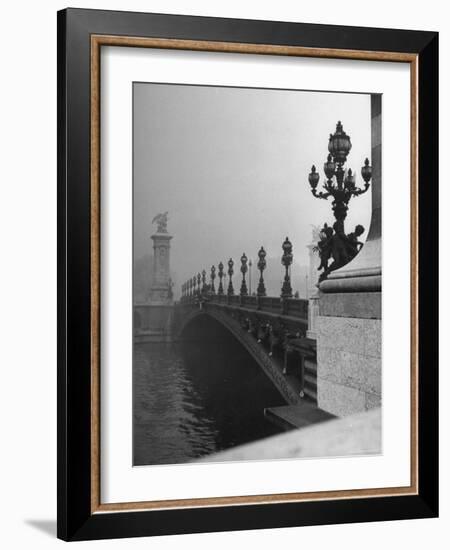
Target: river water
point(196, 397)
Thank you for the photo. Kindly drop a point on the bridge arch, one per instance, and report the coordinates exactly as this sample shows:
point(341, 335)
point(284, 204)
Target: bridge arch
point(250, 344)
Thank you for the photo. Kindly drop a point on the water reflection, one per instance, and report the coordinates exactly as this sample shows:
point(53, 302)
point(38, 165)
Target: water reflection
point(196, 397)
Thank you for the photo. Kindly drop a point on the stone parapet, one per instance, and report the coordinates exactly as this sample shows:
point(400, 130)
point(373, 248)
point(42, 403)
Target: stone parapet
point(355, 435)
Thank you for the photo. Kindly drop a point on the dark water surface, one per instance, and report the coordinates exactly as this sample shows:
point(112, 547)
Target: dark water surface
point(196, 397)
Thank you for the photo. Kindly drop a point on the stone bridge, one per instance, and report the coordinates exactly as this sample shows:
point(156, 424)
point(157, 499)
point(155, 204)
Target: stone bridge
point(271, 329)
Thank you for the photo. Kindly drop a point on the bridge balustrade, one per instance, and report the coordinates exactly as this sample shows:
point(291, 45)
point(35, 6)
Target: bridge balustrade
point(296, 307)
point(293, 307)
point(270, 303)
point(249, 301)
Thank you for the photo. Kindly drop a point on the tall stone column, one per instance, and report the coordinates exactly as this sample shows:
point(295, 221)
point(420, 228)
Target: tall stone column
point(313, 261)
point(349, 322)
point(153, 320)
point(160, 291)
point(313, 277)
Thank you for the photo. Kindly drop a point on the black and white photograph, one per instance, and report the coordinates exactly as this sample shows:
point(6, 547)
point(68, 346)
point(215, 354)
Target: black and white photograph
point(257, 325)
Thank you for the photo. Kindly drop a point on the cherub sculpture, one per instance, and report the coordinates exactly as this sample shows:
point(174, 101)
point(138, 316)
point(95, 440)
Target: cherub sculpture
point(353, 243)
point(324, 246)
point(161, 221)
point(335, 244)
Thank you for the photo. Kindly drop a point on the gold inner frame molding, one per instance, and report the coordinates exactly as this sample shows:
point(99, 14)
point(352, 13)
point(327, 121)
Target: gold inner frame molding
point(97, 41)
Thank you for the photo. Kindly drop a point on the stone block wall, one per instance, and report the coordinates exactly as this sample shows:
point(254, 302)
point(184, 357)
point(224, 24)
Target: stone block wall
point(348, 364)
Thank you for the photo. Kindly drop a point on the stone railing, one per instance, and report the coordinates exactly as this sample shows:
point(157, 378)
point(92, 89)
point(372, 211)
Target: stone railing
point(291, 307)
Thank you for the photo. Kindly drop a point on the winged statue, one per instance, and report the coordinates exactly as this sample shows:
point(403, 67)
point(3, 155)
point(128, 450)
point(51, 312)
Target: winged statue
point(161, 221)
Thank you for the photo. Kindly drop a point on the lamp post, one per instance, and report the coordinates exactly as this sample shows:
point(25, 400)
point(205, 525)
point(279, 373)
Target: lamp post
point(261, 290)
point(244, 268)
point(339, 146)
point(221, 275)
point(286, 260)
point(250, 263)
point(334, 242)
point(230, 290)
point(213, 276)
point(204, 281)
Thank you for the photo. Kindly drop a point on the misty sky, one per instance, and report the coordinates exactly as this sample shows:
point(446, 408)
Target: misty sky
point(231, 166)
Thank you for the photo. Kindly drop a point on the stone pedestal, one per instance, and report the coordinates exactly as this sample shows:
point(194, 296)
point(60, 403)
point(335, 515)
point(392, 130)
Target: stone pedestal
point(153, 322)
point(349, 322)
point(153, 319)
point(161, 291)
point(348, 364)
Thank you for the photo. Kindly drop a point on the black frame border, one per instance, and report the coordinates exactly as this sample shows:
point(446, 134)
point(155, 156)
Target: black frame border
point(75, 521)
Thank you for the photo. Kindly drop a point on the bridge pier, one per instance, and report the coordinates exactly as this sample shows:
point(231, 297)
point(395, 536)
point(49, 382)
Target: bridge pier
point(153, 323)
point(349, 321)
point(153, 319)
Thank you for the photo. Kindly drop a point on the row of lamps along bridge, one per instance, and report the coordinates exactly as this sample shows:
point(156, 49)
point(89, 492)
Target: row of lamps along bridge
point(339, 185)
point(198, 285)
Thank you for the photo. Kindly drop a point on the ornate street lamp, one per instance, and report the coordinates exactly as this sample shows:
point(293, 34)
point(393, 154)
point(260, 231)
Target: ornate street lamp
point(261, 290)
point(244, 268)
point(339, 146)
point(286, 260)
point(221, 274)
point(230, 290)
point(199, 278)
point(204, 281)
point(250, 263)
point(213, 276)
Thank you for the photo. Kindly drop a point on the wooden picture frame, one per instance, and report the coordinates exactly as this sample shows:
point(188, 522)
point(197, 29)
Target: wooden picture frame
point(81, 35)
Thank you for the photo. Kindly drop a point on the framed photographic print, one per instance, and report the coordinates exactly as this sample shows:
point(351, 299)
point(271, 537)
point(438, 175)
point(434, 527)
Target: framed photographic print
point(247, 252)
